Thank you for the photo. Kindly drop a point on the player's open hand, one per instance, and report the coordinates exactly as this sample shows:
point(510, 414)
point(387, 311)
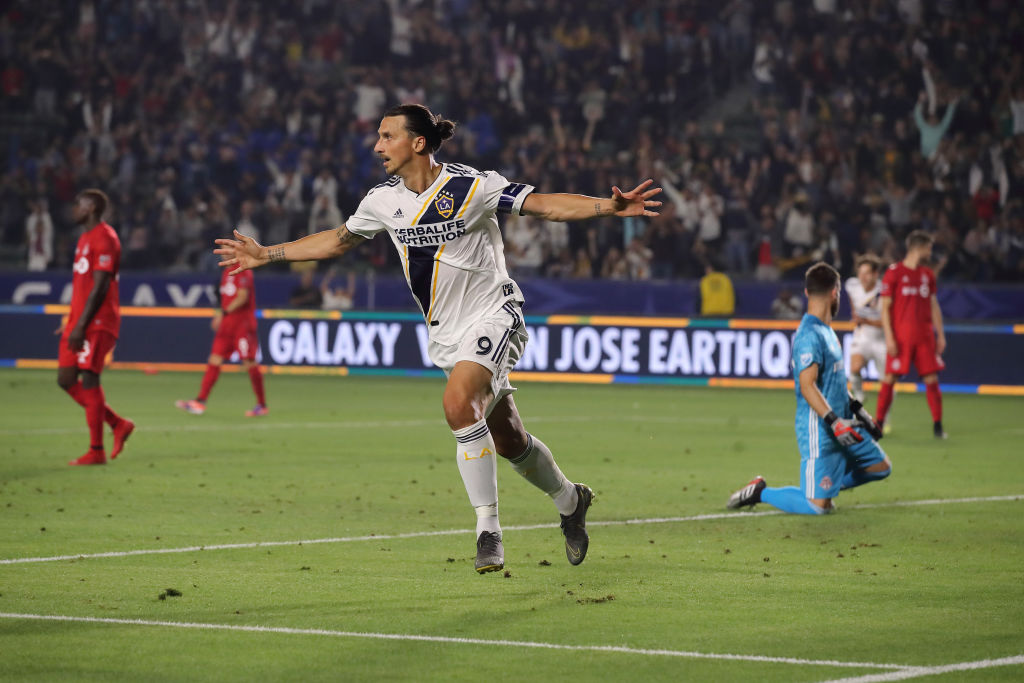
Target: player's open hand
point(636, 202)
point(241, 253)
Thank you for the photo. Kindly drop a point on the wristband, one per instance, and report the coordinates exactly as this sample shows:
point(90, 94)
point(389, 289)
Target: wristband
point(224, 311)
point(830, 418)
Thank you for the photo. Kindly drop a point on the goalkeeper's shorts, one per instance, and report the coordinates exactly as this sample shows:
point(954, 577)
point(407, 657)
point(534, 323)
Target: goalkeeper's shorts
point(824, 463)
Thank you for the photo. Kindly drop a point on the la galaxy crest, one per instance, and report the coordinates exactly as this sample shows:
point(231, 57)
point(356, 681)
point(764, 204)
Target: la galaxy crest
point(444, 202)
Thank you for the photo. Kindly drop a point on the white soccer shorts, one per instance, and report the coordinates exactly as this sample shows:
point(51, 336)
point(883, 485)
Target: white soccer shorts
point(496, 341)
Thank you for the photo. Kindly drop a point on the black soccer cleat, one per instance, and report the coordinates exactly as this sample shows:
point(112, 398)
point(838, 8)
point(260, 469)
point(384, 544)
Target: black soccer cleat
point(749, 495)
point(490, 553)
point(938, 431)
point(574, 526)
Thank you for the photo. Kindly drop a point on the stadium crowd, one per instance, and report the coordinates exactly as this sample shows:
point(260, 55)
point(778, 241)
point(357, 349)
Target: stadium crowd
point(865, 119)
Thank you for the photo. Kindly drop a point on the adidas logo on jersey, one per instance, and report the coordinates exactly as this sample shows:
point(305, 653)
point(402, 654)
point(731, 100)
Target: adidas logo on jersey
point(398, 214)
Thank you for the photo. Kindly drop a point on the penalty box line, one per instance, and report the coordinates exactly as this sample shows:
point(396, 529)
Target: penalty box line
point(453, 532)
point(613, 649)
point(922, 671)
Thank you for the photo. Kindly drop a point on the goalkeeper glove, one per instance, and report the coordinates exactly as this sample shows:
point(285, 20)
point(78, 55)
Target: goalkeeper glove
point(864, 419)
point(842, 429)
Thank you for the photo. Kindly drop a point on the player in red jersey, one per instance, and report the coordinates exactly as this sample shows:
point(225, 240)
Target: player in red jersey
point(91, 329)
point(235, 325)
point(912, 322)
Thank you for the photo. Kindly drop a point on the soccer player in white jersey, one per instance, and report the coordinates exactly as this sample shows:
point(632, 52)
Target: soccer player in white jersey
point(865, 292)
point(442, 220)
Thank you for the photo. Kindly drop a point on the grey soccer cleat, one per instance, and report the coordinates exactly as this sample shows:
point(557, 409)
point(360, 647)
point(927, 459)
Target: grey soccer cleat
point(748, 495)
point(574, 526)
point(490, 554)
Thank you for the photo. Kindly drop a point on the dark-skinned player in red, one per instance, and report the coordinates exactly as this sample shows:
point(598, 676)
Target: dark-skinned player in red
point(90, 332)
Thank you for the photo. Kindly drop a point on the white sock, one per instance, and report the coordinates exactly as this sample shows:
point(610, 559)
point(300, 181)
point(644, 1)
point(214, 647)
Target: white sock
point(476, 455)
point(857, 386)
point(537, 466)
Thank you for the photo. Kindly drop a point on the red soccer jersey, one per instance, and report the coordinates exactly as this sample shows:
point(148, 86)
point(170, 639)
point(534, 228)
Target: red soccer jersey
point(229, 287)
point(911, 290)
point(98, 249)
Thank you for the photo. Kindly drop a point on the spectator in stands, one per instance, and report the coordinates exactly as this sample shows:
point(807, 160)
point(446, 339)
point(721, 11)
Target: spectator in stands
point(787, 306)
point(305, 294)
point(39, 236)
point(337, 298)
point(717, 297)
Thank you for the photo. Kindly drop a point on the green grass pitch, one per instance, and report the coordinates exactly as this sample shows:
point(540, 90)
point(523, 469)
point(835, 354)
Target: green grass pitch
point(888, 582)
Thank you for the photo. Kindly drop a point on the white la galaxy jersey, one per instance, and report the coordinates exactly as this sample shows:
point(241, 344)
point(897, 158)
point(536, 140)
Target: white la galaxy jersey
point(449, 242)
point(867, 305)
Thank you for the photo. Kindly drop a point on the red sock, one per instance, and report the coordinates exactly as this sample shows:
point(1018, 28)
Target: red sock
point(209, 379)
point(884, 401)
point(109, 416)
point(934, 400)
point(256, 377)
point(94, 403)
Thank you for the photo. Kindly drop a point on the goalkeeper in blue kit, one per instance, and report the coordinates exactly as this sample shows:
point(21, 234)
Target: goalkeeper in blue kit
point(837, 438)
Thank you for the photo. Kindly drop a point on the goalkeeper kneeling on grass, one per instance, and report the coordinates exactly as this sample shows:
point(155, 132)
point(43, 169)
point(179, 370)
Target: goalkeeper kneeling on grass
point(837, 438)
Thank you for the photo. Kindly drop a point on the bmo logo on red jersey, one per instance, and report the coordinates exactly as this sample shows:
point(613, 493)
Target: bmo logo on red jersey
point(229, 288)
point(81, 266)
point(924, 291)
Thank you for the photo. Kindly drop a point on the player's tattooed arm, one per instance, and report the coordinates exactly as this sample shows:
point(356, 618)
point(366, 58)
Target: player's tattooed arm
point(243, 253)
point(346, 240)
point(578, 207)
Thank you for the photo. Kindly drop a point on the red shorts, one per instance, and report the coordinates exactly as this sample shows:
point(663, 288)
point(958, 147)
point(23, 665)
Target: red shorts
point(230, 339)
point(921, 352)
point(92, 356)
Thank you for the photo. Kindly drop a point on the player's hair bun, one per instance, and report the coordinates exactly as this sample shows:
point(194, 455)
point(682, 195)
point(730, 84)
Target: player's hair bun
point(444, 127)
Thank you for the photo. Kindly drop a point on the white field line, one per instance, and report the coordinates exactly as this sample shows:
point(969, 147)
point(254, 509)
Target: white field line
point(921, 671)
point(454, 532)
point(196, 426)
point(617, 649)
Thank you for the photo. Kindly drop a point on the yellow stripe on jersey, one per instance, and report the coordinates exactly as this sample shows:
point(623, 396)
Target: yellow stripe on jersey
point(430, 199)
point(433, 287)
point(469, 198)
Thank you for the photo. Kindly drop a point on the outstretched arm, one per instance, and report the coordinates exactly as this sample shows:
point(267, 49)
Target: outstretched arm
point(245, 253)
point(577, 207)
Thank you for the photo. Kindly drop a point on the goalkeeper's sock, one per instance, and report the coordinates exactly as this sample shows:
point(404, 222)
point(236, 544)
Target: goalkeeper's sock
point(475, 453)
point(857, 386)
point(884, 401)
point(537, 466)
point(857, 477)
point(790, 499)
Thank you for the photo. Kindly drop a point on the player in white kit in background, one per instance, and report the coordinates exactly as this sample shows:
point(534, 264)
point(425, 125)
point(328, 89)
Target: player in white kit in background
point(441, 219)
point(868, 344)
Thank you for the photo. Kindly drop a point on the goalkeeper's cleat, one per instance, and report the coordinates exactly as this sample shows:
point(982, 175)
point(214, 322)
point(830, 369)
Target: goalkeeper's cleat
point(574, 526)
point(749, 495)
point(939, 432)
point(122, 431)
point(490, 554)
point(192, 405)
point(258, 411)
point(95, 456)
